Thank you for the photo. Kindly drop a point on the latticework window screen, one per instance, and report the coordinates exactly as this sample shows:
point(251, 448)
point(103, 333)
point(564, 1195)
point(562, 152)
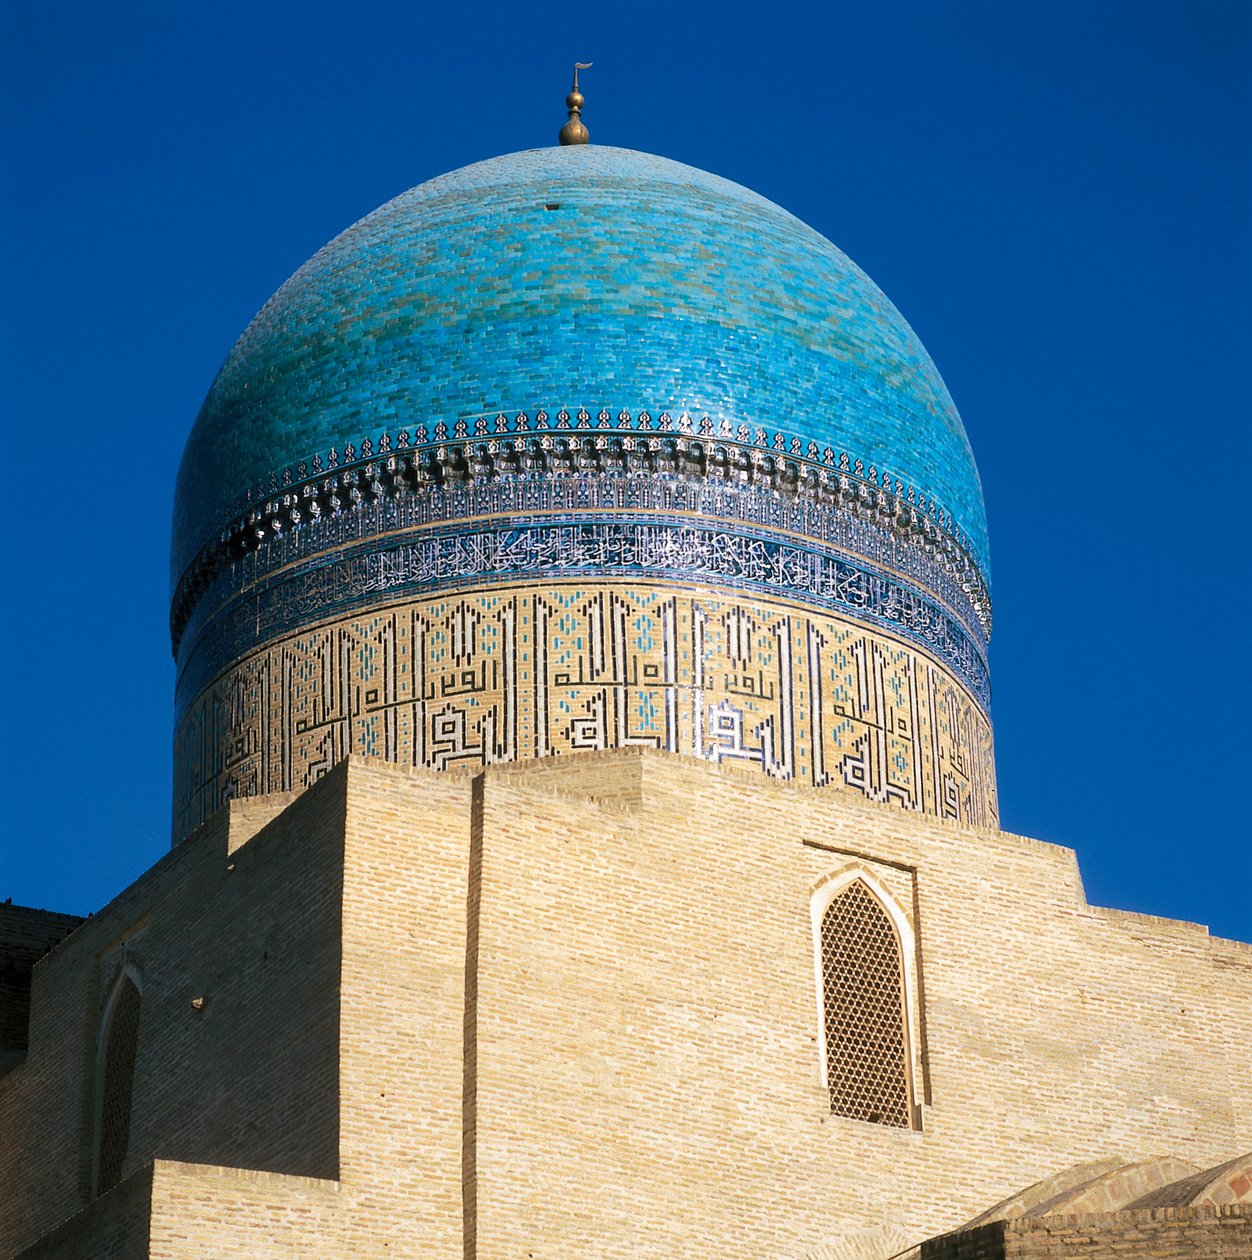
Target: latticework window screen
point(118, 1085)
point(863, 990)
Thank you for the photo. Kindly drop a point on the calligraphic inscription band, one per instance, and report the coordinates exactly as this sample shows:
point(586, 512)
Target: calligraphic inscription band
point(474, 678)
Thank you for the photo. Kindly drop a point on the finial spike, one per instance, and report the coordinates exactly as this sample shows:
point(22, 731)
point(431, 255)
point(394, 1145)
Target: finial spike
point(574, 132)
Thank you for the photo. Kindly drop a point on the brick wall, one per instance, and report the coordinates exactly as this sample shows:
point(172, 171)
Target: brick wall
point(647, 1022)
point(114, 1227)
point(249, 1078)
point(404, 1063)
point(235, 1214)
point(26, 934)
point(1223, 1233)
point(986, 1242)
point(564, 1010)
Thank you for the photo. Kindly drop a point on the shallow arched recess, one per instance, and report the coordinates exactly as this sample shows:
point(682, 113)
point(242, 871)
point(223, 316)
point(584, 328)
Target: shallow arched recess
point(116, 1046)
point(868, 1018)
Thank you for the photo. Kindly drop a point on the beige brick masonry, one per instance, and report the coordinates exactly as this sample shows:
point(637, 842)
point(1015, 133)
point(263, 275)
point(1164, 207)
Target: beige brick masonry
point(568, 1008)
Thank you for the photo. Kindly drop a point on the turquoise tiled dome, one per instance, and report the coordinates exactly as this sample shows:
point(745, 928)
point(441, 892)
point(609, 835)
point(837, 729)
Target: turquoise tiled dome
point(580, 278)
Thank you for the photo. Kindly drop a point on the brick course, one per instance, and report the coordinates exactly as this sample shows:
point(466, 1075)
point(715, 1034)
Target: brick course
point(1222, 1233)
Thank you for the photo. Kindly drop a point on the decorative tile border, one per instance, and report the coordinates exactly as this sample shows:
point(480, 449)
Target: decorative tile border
point(632, 545)
point(345, 480)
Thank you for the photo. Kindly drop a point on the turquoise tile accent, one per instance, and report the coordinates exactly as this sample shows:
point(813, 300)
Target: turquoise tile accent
point(580, 278)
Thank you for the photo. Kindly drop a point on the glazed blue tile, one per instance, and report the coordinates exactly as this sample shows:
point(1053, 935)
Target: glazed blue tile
point(654, 285)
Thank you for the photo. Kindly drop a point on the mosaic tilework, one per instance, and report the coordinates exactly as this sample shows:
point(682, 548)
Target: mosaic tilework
point(637, 545)
point(863, 511)
point(498, 675)
point(649, 284)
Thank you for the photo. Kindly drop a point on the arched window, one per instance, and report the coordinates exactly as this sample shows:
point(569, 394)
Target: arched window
point(865, 1024)
point(115, 1078)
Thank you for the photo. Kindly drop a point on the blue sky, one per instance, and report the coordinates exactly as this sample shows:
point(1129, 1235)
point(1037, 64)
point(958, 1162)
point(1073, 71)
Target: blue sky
point(1057, 195)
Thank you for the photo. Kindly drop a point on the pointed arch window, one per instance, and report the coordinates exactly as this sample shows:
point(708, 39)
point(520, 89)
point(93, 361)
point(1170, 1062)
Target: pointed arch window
point(115, 1078)
point(866, 1060)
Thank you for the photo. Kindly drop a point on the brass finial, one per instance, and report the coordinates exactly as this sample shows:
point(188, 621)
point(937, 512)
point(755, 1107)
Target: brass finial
point(574, 132)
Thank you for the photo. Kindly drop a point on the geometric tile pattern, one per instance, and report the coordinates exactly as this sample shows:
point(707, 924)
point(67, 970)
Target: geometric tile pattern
point(511, 672)
point(863, 1006)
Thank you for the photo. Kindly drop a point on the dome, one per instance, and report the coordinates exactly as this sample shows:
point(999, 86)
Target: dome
point(580, 449)
point(582, 279)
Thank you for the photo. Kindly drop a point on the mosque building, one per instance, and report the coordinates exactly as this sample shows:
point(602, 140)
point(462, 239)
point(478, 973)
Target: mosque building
point(585, 834)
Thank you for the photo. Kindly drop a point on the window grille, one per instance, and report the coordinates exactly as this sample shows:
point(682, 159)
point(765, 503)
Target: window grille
point(867, 1068)
point(117, 1084)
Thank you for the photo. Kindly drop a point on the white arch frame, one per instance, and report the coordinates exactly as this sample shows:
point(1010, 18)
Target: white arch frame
point(827, 889)
point(128, 971)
